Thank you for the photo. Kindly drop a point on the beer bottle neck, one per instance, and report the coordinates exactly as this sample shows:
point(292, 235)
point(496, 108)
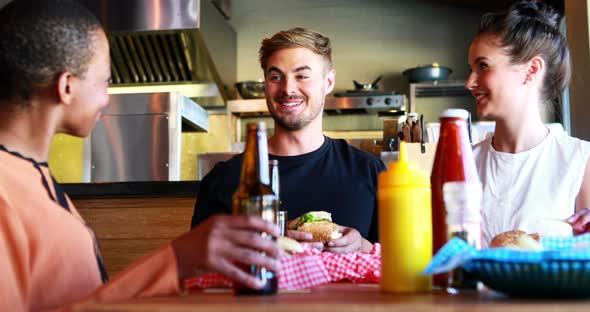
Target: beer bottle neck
point(255, 166)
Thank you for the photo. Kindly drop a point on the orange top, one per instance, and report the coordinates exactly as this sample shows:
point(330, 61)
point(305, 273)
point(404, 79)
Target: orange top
point(47, 255)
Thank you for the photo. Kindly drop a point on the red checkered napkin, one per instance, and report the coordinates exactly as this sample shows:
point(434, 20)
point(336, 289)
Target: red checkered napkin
point(303, 270)
point(311, 268)
point(357, 267)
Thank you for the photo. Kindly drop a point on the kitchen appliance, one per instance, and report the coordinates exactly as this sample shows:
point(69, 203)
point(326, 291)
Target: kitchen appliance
point(354, 101)
point(251, 89)
point(367, 86)
point(169, 45)
point(356, 115)
point(349, 115)
point(366, 97)
point(432, 72)
point(432, 98)
point(138, 138)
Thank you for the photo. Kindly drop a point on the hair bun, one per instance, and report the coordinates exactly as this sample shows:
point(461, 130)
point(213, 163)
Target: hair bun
point(539, 11)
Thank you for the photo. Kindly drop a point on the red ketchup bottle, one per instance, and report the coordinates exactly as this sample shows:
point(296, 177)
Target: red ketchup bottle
point(453, 161)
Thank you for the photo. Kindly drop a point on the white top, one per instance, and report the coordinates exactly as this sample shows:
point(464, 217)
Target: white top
point(525, 190)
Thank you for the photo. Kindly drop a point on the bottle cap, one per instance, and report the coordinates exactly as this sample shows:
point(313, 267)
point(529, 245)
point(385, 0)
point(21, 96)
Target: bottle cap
point(454, 113)
point(403, 172)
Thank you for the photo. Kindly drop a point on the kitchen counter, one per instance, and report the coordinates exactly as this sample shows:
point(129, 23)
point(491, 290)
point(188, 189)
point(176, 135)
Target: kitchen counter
point(132, 189)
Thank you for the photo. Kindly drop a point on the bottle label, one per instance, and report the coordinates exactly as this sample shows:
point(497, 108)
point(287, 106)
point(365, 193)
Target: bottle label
point(462, 202)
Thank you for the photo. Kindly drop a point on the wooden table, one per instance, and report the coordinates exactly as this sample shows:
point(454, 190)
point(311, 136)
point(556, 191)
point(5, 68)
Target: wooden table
point(340, 298)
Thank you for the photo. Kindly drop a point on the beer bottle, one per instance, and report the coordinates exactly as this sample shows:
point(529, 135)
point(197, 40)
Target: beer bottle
point(255, 197)
point(276, 186)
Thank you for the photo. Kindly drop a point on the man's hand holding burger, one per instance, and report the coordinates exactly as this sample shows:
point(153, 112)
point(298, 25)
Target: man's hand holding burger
point(317, 228)
point(351, 241)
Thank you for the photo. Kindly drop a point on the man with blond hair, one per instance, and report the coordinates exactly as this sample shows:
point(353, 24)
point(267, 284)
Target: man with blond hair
point(316, 172)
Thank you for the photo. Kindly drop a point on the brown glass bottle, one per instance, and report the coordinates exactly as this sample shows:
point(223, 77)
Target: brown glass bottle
point(255, 197)
point(453, 161)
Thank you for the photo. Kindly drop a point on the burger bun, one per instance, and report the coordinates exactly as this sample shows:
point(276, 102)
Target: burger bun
point(517, 239)
point(319, 224)
point(322, 231)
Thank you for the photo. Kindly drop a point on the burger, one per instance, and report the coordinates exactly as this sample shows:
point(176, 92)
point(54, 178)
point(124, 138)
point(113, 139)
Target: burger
point(317, 223)
point(517, 239)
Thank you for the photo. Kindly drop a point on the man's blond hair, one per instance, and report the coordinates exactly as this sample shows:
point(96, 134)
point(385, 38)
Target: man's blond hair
point(296, 38)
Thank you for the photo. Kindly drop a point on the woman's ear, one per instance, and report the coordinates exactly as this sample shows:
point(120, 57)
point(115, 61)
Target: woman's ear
point(65, 86)
point(535, 69)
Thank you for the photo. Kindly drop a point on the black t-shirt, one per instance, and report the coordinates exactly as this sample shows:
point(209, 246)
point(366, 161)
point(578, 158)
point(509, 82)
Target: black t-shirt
point(337, 178)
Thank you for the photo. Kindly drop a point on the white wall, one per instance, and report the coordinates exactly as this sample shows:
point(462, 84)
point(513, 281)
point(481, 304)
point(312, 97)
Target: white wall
point(369, 37)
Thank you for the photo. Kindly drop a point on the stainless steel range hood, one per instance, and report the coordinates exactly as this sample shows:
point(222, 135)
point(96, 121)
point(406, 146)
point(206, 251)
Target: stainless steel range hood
point(169, 45)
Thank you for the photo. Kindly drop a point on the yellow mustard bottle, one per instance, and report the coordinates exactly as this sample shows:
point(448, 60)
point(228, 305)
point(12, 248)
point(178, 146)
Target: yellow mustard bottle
point(405, 226)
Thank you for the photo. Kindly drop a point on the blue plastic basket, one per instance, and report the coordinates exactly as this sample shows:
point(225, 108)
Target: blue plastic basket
point(555, 278)
point(561, 270)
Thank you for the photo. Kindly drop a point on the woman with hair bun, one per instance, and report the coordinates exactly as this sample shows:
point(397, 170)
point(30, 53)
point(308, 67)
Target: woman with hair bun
point(531, 175)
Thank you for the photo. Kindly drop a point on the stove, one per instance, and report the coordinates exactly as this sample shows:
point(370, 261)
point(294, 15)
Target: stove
point(364, 93)
point(366, 100)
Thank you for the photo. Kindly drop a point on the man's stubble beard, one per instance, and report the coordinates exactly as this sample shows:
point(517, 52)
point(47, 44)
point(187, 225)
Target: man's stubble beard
point(301, 121)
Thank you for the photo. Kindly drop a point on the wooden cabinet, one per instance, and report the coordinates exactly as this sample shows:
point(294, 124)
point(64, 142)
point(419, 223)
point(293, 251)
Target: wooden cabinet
point(128, 228)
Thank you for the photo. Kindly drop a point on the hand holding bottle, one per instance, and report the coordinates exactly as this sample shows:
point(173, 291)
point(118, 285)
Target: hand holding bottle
point(218, 243)
point(254, 197)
